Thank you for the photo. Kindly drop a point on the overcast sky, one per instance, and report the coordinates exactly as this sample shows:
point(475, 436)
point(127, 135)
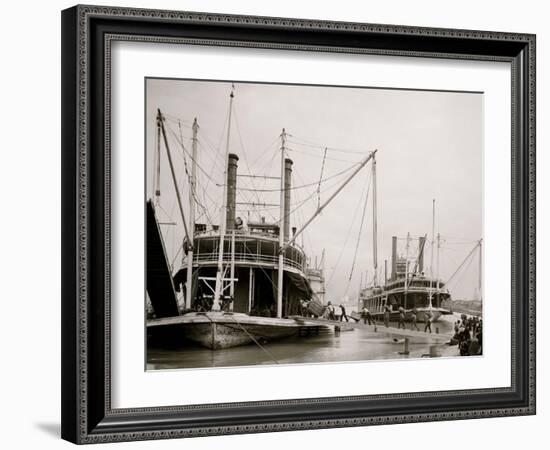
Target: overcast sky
point(430, 145)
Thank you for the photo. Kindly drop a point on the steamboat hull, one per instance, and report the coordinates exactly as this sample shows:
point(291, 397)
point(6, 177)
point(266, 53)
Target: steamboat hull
point(220, 335)
point(220, 330)
point(417, 296)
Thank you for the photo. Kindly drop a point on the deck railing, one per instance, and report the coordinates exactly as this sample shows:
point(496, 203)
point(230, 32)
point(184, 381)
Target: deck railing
point(248, 258)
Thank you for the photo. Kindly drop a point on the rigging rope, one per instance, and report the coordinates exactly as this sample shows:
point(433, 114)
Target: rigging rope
point(185, 151)
point(360, 230)
point(320, 178)
point(182, 154)
point(308, 184)
point(315, 155)
point(184, 159)
point(249, 335)
point(256, 342)
point(265, 151)
point(307, 143)
point(237, 127)
point(172, 118)
point(299, 217)
point(216, 150)
point(347, 238)
point(156, 174)
point(470, 260)
point(469, 256)
point(298, 175)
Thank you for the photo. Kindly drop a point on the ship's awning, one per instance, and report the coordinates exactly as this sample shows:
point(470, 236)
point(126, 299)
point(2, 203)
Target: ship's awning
point(300, 283)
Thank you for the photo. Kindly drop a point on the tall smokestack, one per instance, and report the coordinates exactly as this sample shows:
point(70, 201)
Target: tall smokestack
point(421, 245)
point(232, 164)
point(393, 257)
point(288, 184)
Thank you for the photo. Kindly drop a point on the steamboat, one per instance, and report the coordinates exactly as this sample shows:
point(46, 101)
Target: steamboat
point(241, 281)
point(408, 286)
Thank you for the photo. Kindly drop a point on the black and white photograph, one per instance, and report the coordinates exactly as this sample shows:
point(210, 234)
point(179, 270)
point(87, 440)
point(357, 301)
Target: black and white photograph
point(308, 224)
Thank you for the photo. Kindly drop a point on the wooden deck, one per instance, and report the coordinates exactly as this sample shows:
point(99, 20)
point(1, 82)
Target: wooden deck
point(379, 328)
point(297, 322)
point(218, 330)
point(223, 317)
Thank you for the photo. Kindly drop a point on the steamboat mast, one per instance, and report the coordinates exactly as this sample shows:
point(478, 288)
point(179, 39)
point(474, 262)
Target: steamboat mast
point(218, 291)
point(374, 223)
point(280, 268)
point(432, 254)
point(437, 270)
point(160, 124)
point(193, 183)
point(407, 269)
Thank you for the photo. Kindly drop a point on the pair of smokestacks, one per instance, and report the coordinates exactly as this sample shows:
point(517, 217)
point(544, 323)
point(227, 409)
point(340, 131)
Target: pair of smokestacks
point(232, 165)
point(421, 245)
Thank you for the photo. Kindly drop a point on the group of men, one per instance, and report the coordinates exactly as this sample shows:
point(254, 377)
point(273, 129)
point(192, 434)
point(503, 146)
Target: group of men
point(413, 317)
point(468, 330)
point(330, 313)
point(468, 335)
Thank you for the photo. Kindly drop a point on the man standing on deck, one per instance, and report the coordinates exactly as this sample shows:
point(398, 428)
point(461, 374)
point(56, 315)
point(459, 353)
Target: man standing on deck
point(330, 309)
point(401, 322)
point(428, 315)
point(367, 316)
point(304, 307)
point(414, 312)
point(387, 311)
point(343, 314)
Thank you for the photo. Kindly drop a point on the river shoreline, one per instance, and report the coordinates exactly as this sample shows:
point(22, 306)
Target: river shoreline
point(328, 347)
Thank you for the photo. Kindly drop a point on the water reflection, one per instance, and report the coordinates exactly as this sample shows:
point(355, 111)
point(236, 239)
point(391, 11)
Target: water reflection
point(355, 345)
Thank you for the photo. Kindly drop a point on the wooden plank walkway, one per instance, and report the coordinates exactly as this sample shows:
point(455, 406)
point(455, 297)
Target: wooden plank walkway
point(299, 321)
point(380, 328)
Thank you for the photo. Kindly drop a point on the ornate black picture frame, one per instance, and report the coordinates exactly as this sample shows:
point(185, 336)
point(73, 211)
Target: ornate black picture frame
point(87, 35)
